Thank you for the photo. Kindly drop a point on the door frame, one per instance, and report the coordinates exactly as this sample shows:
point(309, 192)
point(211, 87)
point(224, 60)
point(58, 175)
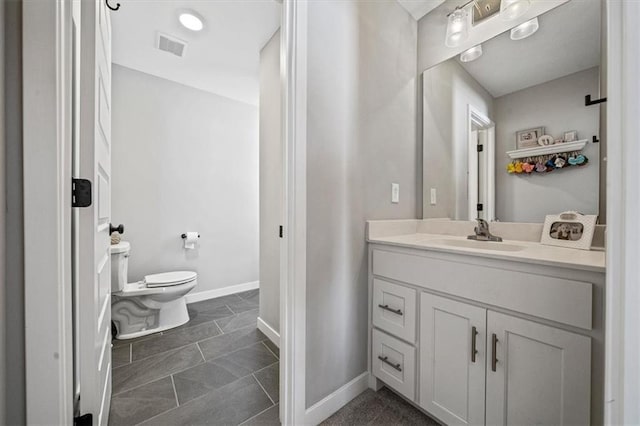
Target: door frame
point(47, 135)
point(622, 335)
point(47, 52)
point(475, 117)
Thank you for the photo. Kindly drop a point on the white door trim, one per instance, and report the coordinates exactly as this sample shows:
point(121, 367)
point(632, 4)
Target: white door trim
point(622, 335)
point(47, 210)
point(293, 245)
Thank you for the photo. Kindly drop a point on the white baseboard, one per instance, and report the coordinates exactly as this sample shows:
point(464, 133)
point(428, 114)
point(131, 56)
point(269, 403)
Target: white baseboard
point(273, 335)
point(321, 410)
point(219, 292)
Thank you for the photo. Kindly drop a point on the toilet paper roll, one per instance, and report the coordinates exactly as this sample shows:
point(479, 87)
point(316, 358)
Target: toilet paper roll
point(191, 240)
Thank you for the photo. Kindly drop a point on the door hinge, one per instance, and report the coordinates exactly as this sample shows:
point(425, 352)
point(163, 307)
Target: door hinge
point(281, 232)
point(480, 148)
point(80, 192)
point(479, 207)
point(83, 420)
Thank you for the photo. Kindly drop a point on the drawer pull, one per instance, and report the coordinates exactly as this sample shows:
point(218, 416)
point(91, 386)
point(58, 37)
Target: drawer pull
point(494, 344)
point(387, 308)
point(474, 351)
point(385, 359)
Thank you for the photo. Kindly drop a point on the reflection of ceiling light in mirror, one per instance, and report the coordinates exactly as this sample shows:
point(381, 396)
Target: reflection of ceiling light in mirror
point(511, 9)
point(457, 28)
point(191, 21)
point(472, 54)
point(525, 30)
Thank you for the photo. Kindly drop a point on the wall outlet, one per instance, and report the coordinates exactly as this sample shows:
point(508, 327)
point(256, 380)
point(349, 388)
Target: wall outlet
point(395, 193)
point(433, 196)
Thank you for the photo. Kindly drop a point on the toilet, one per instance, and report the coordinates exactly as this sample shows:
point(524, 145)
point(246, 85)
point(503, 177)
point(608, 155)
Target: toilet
point(154, 304)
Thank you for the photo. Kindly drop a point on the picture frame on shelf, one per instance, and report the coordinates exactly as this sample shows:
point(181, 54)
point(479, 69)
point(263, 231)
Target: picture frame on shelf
point(528, 138)
point(571, 136)
point(569, 229)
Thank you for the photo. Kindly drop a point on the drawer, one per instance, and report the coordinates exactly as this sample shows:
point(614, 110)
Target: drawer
point(394, 309)
point(556, 299)
point(394, 362)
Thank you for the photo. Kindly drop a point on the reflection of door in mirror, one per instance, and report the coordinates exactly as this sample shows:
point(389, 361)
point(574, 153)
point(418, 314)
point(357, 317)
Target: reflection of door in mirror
point(480, 174)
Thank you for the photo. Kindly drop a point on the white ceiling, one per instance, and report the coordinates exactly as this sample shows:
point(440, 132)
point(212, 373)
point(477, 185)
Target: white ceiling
point(567, 41)
point(419, 8)
point(223, 58)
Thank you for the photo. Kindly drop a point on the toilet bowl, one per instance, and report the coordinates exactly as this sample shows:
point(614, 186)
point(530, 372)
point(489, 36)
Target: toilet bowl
point(154, 304)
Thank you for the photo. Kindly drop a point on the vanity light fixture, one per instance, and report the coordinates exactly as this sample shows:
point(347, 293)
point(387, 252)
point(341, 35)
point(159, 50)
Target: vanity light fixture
point(525, 29)
point(471, 54)
point(191, 20)
point(457, 28)
point(512, 9)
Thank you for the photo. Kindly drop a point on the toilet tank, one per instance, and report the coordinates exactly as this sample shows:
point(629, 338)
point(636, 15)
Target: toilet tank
point(119, 265)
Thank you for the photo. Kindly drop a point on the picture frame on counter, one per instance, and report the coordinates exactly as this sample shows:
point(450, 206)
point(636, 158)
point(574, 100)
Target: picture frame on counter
point(569, 229)
point(528, 138)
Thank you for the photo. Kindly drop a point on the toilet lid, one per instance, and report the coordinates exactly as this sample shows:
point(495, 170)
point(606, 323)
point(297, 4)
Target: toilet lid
point(169, 278)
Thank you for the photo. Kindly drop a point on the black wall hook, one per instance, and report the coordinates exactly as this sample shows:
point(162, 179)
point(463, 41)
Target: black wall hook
point(588, 101)
point(110, 7)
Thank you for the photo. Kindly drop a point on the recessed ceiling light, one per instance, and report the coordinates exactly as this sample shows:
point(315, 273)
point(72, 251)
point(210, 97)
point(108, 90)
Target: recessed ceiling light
point(471, 54)
point(525, 30)
point(191, 21)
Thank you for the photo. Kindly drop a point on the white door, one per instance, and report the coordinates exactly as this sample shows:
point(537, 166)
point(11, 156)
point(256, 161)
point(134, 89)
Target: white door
point(94, 276)
point(452, 360)
point(536, 375)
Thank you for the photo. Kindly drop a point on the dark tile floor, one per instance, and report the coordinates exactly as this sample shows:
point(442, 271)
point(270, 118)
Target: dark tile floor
point(216, 369)
point(382, 408)
point(219, 369)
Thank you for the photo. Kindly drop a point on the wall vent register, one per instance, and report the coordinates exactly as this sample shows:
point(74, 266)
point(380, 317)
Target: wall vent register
point(171, 44)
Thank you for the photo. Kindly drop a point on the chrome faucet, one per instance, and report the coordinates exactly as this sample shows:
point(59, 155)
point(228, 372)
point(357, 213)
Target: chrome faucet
point(482, 232)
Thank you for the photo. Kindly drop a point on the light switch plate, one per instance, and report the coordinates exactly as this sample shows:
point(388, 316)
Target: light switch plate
point(433, 196)
point(395, 193)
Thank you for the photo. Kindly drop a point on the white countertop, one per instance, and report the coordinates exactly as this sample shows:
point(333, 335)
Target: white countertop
point(528, 251)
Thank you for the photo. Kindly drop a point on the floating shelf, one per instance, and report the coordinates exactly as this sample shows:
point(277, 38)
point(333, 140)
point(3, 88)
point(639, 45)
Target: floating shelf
point(548, 149)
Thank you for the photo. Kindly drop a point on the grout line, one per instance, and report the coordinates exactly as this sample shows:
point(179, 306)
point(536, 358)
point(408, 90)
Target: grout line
point(264, 368)
point(261, 412)
point(175, 392)
point(201, 354)
point(262, 387)
point(130, 353)
point(232, 311)
point(219, 328)
point(269, 349)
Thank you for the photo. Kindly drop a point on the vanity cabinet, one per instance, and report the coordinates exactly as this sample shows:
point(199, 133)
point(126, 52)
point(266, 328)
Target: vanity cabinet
point(536, 375)
point(445, 335)
point(452, 360)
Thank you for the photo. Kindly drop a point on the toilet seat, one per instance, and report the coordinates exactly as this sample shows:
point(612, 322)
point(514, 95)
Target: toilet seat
point(168, 279)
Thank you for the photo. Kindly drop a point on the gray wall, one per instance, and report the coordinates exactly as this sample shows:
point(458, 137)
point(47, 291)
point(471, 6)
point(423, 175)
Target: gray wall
point(185, 160)
point(361, 137)
point(271, 175)
point(448, 90)
point(3, 320)
point(557, 105)
point(14, 224)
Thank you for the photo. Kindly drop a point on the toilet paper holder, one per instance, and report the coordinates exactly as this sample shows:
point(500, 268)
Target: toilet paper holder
point(183, 236)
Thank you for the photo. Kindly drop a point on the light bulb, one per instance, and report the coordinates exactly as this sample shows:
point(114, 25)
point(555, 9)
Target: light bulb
point(512, 9)
point(191, 21)
point(471, 54)
point(457, 28)
point(525, 29)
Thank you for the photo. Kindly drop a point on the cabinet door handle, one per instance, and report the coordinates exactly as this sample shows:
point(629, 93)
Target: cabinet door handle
point(474, 351)
point(387, 308)
point(385, 359)
point(494, 344)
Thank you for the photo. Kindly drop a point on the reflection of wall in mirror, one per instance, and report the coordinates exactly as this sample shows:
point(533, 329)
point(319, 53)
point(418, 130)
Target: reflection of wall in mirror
point(558, 105)
point(448, 90)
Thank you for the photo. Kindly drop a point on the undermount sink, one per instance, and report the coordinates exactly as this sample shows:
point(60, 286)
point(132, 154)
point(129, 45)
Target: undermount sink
point(481, 245)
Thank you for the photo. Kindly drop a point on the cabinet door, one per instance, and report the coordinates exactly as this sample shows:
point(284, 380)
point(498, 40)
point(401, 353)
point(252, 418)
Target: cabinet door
point(536, 375)
point(452, 360)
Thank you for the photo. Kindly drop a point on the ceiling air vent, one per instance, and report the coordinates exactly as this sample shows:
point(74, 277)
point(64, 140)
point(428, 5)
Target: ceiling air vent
point(172, 45)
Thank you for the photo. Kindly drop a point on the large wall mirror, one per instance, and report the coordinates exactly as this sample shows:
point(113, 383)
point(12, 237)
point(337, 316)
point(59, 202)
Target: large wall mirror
point(483, 120)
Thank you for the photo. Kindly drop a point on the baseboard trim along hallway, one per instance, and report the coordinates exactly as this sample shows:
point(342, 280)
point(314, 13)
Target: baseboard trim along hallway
point(219, 292)
point(268, 331)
